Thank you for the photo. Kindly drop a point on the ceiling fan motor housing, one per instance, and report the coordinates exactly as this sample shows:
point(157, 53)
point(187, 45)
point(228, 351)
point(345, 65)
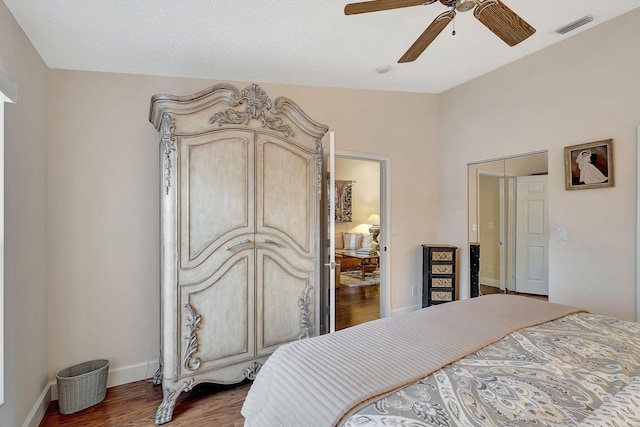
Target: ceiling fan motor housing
point(449, 3)
point(465, 5)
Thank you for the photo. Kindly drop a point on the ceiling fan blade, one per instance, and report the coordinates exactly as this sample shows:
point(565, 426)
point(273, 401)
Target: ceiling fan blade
point(377, 5)
point(427, 36)
point(504, 22)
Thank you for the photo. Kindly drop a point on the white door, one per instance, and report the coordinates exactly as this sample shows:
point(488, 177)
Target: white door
point(332, 234)
point(532, 240)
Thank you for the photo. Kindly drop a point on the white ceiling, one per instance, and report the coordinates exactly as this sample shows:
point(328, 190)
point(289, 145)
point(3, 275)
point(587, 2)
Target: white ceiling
point(302, 42)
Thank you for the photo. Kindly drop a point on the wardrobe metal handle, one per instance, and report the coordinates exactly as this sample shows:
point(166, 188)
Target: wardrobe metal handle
point(271, 242)
point(240, 242)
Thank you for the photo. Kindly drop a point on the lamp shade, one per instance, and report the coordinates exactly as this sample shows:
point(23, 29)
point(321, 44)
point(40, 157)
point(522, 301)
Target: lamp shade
point(374, 219)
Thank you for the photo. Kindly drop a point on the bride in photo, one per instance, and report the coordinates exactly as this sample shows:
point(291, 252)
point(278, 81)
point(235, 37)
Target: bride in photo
point(589, 174)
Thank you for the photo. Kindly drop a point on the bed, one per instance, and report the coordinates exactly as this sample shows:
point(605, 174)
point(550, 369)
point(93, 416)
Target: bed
point(497, 360)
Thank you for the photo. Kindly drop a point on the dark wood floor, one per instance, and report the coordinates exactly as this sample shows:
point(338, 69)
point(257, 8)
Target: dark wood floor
point(357, 305)
point(135, 404)
point(488, 290)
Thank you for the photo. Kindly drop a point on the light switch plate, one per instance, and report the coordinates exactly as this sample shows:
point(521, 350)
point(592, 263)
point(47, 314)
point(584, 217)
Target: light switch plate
point(562, 234)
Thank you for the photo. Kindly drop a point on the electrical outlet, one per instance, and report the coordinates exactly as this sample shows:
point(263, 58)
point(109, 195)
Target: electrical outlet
point(489, 269)
point(414, 290)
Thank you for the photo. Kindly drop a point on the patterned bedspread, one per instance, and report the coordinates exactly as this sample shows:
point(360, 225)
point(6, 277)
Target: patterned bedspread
point(579, 370)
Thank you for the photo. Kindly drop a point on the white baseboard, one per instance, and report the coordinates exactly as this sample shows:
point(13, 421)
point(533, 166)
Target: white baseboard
point(119, 376)
point(489, 282)
point(37, 412)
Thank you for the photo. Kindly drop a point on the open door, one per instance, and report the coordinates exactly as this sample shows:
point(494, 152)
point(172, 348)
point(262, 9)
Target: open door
point(331, 218)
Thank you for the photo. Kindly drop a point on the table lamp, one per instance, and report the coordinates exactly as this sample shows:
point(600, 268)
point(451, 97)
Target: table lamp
point(374, 220)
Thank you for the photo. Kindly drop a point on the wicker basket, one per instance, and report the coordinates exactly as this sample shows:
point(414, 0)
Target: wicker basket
point(81, 386)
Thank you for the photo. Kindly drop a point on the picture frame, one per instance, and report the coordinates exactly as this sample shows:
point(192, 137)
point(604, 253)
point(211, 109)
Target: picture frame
point(589, 165)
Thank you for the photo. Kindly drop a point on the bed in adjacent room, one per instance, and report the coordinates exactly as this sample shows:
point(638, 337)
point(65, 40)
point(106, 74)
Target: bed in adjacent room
point(492, 361)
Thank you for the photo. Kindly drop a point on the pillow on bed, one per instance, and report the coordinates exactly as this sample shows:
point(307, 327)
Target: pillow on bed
point(352, 240)
point(339, 241)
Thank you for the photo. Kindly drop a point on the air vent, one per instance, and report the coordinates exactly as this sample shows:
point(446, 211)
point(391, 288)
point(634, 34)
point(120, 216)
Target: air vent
point(575, 24)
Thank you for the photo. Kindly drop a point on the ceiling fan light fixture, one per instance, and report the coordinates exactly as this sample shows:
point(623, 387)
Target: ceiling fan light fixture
point(465, 5)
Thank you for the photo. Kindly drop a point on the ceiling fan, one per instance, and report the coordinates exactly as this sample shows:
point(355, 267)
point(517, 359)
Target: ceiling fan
point(496, 16)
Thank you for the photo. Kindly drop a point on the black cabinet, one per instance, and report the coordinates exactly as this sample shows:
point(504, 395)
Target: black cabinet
point(438, 274)
point(474, 269)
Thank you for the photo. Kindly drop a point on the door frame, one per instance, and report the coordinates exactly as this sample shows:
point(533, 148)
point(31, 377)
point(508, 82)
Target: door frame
point(638, 227)
point(385, 222)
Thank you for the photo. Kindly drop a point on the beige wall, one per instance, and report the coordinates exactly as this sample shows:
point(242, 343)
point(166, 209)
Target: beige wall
point(25, 322)
point(102, 204)
point(365, 194)
point(583, 89)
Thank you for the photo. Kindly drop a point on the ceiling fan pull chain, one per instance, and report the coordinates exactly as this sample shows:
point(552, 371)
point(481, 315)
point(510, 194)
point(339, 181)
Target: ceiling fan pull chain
point(453, 33)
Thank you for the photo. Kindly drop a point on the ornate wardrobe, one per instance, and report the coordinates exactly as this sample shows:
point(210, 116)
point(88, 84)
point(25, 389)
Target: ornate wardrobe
point(241, 184)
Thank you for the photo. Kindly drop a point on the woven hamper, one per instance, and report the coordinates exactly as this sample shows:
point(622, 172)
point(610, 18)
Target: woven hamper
point(82, 385)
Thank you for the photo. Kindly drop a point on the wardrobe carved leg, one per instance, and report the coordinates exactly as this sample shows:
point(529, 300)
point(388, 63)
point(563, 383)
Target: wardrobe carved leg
point(170, 394)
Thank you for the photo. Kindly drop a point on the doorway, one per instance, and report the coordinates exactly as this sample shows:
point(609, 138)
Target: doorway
point(361, 240)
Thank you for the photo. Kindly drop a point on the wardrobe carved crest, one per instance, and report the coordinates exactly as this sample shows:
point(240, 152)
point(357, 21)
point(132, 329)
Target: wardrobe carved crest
point(255, 100)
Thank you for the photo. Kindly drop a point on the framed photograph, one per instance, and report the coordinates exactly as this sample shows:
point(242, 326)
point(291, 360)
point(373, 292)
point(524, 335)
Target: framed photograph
point(589, 165)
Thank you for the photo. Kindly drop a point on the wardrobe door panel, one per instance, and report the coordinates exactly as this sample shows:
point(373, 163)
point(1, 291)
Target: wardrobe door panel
point(216, 197)
point(286, 266)
point(280, 292)
point(218, 317)
point(285, 180)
